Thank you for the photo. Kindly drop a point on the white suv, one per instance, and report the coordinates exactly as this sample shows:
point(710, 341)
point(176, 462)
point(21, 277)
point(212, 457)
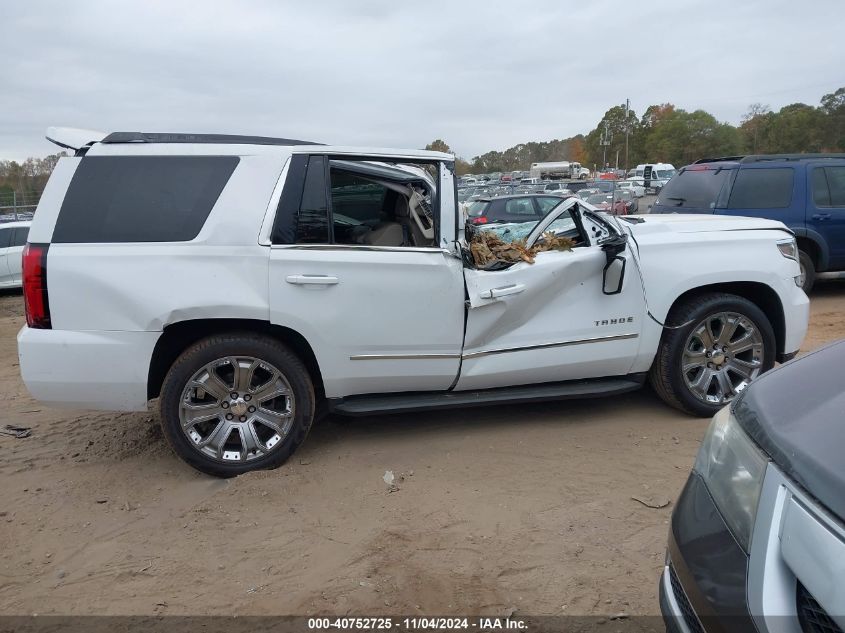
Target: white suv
point(244, 281)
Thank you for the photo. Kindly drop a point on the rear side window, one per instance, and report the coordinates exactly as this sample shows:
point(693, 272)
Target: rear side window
point(829, 186)
point(476, 208)
point(762, 188)
point(141, 198)
point(20, 235)
point(521, 206)
point(695, 189)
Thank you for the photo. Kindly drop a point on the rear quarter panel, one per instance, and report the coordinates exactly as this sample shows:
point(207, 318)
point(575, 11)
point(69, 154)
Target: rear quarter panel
point(222, 273)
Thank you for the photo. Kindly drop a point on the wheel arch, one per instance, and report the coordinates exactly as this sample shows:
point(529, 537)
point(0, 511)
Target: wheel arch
point(177, 337)
point(761, 295)
point(815, 246)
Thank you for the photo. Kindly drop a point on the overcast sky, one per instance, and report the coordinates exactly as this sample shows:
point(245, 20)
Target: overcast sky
point(481, 75)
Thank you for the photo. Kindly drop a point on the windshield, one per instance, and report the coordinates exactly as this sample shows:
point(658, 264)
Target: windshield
point(693, 190)
point(665, 174)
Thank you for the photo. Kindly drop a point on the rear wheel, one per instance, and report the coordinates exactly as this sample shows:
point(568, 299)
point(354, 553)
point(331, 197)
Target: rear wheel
point(726, 342)
point(236, 402)
point(808, 271)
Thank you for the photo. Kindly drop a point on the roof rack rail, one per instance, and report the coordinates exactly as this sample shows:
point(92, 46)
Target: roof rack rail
point(167, 137)
point(758, 158)
point(718, 159)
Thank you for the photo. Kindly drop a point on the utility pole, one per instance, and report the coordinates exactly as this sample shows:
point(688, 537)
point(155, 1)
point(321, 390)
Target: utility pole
point(605, 141)
point(15, 203)
point(627, 107)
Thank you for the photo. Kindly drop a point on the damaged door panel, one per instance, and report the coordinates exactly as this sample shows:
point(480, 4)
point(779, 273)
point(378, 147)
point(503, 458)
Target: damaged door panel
point(549, 320)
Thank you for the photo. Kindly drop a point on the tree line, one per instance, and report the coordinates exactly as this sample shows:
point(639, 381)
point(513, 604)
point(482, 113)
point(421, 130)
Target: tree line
point(667, 134)
point(25, 181)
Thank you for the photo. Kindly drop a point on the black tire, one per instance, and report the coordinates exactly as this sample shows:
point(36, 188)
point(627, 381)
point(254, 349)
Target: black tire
point(216, 347)
point(666, 375)
point(809, 270)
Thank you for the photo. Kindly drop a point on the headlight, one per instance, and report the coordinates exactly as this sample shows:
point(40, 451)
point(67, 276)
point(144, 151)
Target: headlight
point(732, 468)
point(788, 248)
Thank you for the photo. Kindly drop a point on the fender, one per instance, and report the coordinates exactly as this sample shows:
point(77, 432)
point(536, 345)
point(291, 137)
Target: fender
point(819, 241)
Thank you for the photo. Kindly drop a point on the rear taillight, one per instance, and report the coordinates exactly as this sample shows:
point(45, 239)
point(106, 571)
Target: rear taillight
point(35, 286)
point(479, 220)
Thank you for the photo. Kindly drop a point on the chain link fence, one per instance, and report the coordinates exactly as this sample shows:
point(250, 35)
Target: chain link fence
point(18, 206)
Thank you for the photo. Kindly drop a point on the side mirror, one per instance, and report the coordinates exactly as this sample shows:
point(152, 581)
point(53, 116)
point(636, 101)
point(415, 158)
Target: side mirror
point(613, 276)
point(614, 270)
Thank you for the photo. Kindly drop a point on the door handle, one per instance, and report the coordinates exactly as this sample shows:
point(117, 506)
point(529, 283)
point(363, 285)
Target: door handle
point(504, 291)
point(821, 216)
point(312, 280)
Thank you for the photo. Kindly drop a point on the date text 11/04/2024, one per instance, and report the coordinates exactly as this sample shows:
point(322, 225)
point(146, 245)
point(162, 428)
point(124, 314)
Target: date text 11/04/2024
point(417, 623)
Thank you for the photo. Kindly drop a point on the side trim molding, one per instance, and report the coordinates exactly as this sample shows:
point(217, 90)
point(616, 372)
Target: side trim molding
point(403, 356)
point(583, 341)
point(488, 352)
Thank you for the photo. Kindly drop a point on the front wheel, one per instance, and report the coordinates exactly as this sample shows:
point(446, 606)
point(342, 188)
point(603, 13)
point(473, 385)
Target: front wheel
point(724, 342)
point(236, 402)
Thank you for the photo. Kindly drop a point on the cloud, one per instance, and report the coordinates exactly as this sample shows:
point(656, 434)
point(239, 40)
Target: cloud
point(481, 75)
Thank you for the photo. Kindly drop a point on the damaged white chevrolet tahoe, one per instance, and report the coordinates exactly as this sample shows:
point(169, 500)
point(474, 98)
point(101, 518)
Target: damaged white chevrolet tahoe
point(245, 281)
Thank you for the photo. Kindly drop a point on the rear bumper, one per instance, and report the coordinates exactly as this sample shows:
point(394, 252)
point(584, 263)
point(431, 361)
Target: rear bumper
point(87, 370)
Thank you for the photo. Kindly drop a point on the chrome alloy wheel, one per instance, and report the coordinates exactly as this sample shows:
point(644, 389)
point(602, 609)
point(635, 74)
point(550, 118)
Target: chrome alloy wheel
point(722, 354)
point(237, 408)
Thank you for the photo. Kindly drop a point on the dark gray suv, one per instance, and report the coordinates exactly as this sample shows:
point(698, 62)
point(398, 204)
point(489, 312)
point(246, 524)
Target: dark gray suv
point(757, 541)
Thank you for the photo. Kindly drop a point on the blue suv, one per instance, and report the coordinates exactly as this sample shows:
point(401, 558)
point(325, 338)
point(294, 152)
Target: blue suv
point(804, 191)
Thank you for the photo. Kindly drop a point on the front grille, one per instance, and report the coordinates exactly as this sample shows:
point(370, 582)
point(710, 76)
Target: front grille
point(690, 618)
point(812, 616)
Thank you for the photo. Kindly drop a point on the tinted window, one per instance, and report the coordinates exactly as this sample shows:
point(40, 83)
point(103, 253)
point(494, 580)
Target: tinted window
point(312, 223)
point(476, 208)
point(141, 198)
point(695, 189)
point(520, 206)
point(20, 235)
point(5, 237)
point(762, 189)
point(821, 192)
point(547, 204)
point(836, 183)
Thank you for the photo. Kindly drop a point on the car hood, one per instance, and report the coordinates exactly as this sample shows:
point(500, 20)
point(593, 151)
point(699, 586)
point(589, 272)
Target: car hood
point(796, 414)
point(698, 223)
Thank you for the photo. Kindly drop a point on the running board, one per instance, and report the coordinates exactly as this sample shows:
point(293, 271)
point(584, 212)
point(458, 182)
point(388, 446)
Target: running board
point(381, 403)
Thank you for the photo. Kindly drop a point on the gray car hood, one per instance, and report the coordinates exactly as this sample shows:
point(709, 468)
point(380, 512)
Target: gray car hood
point(797, 415)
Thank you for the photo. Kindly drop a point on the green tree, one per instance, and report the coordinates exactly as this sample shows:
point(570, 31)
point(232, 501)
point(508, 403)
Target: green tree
point(439, 145)
point(612, 127)
point(833, 109)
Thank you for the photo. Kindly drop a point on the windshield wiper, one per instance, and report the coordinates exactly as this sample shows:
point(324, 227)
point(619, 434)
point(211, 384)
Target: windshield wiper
point(680, 200)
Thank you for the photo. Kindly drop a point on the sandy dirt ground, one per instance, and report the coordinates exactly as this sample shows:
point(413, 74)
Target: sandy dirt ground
point(501, 509)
